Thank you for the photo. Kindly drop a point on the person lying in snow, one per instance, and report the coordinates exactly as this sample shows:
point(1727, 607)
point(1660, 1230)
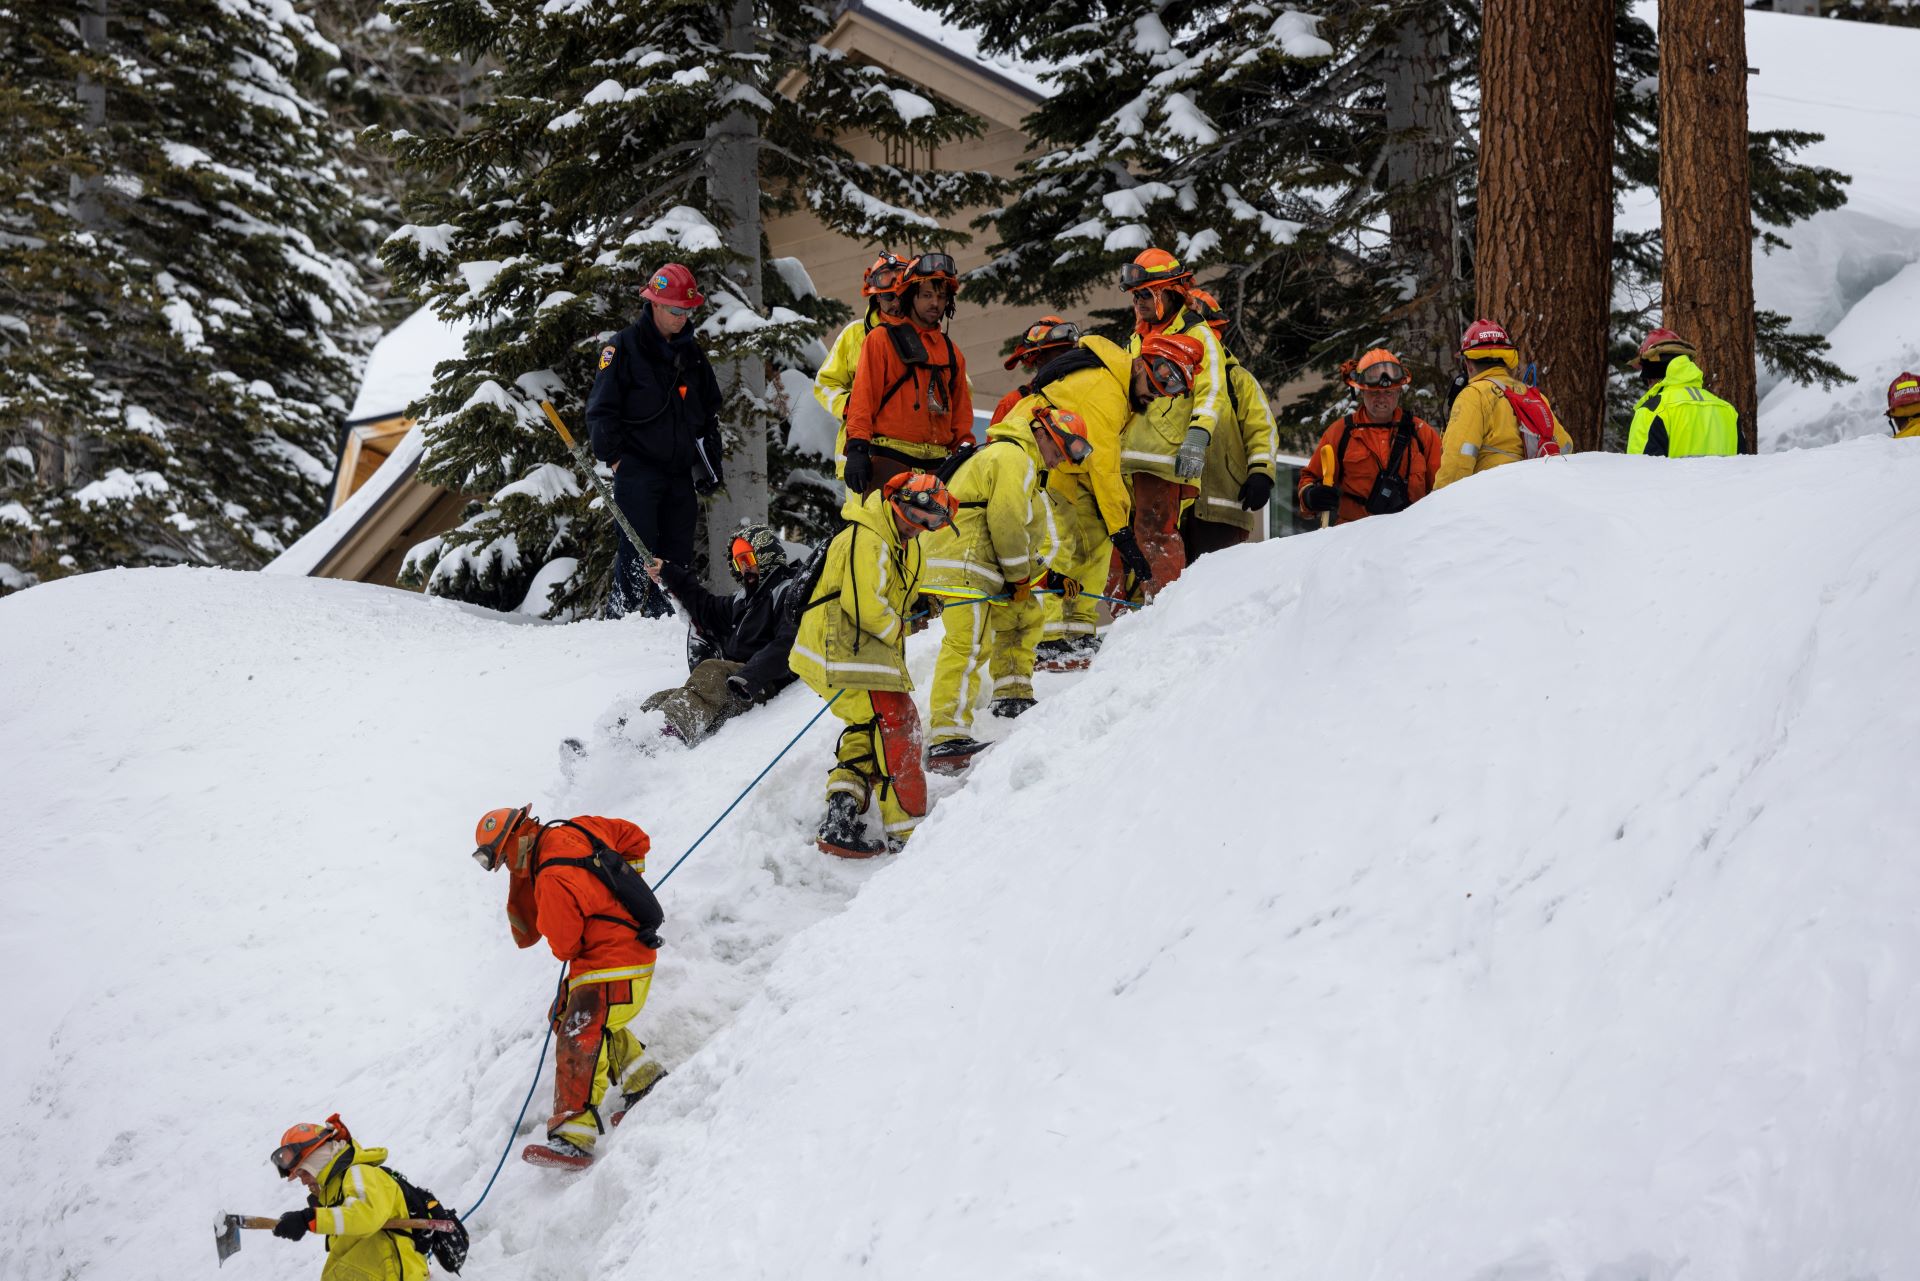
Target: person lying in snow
point(609, 955)
point(745, 636)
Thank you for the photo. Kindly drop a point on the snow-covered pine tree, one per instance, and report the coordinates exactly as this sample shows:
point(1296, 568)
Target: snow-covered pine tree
point(178, 302)
point(591, 161)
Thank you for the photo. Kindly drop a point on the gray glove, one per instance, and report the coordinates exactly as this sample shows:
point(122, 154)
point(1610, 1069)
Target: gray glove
point(1192, 458)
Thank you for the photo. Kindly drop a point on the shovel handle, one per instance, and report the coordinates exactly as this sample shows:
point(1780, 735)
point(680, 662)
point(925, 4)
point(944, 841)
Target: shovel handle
point(391, 1225)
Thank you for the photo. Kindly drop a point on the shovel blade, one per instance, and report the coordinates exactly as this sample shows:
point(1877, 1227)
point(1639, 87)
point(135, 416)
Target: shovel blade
point(226, 1236)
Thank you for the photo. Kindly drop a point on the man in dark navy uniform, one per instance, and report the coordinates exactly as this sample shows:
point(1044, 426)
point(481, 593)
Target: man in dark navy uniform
point(654, 415)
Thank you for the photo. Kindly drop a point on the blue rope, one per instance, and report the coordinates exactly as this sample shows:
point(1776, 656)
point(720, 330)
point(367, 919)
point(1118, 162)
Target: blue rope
point(527, 1102)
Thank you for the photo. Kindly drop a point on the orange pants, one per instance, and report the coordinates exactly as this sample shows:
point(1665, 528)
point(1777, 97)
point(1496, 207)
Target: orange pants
point(593, 1050)
point(1157, 505)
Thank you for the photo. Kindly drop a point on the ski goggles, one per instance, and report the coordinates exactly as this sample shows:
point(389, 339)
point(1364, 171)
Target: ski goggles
point(1134, 277)
point(744, 561)
point(488, 856)
point(287, 1157)
point(919, 502)
point(1050, 334)
point(1166, 377)
point(887, 278)
point(1381, 375)
point(934, 265)
point(1062, 427)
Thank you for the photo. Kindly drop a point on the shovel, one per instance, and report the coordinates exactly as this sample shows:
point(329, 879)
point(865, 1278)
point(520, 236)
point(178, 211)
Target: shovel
point(226, 1229)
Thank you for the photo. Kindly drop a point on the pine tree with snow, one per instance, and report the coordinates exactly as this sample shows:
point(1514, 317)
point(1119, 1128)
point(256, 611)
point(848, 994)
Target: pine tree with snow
point(615, 137)
point(178, 300)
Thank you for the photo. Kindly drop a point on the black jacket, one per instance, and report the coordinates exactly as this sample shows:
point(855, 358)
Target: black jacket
point(753, 627)
point(654, 397)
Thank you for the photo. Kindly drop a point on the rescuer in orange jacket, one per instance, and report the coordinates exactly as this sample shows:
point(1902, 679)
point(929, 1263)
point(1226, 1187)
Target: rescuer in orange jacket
point(910, 406)
point(609, 958)
point(1384, 457)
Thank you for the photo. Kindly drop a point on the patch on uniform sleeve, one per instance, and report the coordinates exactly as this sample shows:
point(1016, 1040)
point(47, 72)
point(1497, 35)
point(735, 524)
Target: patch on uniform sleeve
point(606, 355)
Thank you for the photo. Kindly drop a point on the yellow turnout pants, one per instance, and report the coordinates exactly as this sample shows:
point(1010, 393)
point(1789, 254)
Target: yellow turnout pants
point(982, 639)
point(1083, 556)
point(593, 1050)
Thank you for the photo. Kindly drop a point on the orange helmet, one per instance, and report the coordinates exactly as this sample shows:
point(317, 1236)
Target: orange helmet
point(298, 1142)
point(1171, 360)
point(1153, 269)
point(494, 831)
point(1663, 344)
point(919, 498)
point(1209, 309)
point(1067, 430)
point(1045, 338)
point(887, 275)
point(1903, 396)
point(1378, 370)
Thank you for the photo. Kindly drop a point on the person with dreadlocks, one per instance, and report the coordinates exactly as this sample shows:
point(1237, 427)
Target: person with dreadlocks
point(1044, 339)
point(881, 285)
point(910, 407)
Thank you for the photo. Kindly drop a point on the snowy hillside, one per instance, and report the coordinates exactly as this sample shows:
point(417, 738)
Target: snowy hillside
point(1521, 889)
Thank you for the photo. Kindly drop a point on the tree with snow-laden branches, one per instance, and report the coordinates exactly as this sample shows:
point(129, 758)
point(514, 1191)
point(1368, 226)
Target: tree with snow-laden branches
point(179, 305)
point(616, 137)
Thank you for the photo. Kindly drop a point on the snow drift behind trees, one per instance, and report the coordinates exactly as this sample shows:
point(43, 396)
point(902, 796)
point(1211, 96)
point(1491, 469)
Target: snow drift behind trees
point(1432, 898)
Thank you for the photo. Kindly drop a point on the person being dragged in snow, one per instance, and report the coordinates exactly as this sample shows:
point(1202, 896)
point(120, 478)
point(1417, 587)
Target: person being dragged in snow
point(985, 567)
point(851, 650)
point(744, 636)
point(555, 892)
point(351, 1197)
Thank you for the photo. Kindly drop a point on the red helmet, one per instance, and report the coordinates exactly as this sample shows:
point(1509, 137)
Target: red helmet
point(1045, 338)
point(1663, 344)
point(1485, 340)
point(494, 831)
point(1903, 396)
point(887, 275)
point(672, 286)
point(919, 498)
point(1153, 269)
point(1172, 361)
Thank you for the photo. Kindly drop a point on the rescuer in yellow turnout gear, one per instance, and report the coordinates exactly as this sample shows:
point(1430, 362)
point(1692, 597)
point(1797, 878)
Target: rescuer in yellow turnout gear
point(882, 285)
point(1238, 480)
point(998, 547)
point(1484, 428)
point(1903, 406)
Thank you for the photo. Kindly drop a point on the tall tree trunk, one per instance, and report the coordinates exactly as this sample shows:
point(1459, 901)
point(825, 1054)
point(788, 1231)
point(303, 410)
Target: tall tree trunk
point(1543, 244)
point(1706, 225)
point(1426, 222)
point(734, 183)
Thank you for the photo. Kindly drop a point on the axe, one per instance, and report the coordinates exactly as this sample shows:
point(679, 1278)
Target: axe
point(226, 1229)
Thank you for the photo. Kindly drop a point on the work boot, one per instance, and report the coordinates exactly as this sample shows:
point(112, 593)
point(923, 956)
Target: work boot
point(953, 755)
point(1010, 708)
point(637, 1086)
point(842, 834)
point(557, 1153)
point(1068, 654)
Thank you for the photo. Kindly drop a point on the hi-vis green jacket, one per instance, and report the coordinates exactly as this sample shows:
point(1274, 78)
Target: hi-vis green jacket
point(1679, 418)
point(1005, 532)
point(356, 1197)
point(1153, 438)
point(853, 634)
point(1242, 445)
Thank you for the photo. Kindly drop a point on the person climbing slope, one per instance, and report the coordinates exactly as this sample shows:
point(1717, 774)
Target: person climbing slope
point(350, 1200)
point(910, 406)
point(555, 892)
point(851, 650)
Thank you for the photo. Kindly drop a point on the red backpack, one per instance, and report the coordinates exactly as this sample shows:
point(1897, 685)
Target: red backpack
point(1535, 420)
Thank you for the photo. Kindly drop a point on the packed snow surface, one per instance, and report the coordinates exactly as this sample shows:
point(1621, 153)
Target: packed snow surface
point(1520, 888)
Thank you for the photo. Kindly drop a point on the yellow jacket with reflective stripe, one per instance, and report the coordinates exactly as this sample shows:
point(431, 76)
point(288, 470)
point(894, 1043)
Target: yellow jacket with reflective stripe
point(355, 1198)
point(1693, 421)
point(1153, 438)
point(1004, 532)
point(1482, 431)
point(853, 634)
point(1103, 399)
point(834, 383)
point(1243, 445)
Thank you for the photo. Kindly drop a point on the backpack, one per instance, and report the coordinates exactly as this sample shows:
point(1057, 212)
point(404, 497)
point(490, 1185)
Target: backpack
point(1534, 418)
point(448, 1249)
point(626, 885)
point(801, 600)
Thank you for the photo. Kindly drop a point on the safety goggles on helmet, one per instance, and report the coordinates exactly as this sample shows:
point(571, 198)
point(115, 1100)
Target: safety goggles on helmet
point(888, 275)
point(1166, 378)
point(1065, 429)
point(488, 854)
point(296, 1144)
point(919, 497)
point(1135, 277)
point(744, 561)
point(1381, 375)
point(1050, 333)
point(934, 265)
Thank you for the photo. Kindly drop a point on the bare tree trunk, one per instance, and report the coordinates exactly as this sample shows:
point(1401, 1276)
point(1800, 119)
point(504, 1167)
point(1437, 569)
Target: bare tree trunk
point(734, 181)
point(1543, 244)
point(1426, 222)
point(1706, 280)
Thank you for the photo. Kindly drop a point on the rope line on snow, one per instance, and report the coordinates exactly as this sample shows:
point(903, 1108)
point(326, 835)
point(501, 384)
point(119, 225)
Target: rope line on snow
point(533, 1085)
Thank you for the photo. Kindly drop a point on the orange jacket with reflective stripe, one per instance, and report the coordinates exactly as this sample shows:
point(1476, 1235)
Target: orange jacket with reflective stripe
point(930, 405)
point(561, 904)
point(1368, 450)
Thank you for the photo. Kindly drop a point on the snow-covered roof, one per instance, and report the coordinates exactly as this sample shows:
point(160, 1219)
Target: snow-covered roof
point(961, 42)
point(314, 546)
point(400, 369)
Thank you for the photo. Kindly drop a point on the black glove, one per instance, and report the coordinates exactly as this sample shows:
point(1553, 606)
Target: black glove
point(704, 485)
point(1255, 493)
point(293, 1225)
point(738, 687)
point(859, 471)
point(1320, 498)
point(1131, 557)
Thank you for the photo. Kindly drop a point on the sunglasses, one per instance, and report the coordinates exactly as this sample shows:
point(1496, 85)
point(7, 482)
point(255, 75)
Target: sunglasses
point(744, 561)
point(1167, 378)
point(1379, 377)
point(678, 311)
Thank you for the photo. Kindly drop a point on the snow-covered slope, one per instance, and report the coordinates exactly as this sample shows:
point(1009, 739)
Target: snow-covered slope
point(1519, 888)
